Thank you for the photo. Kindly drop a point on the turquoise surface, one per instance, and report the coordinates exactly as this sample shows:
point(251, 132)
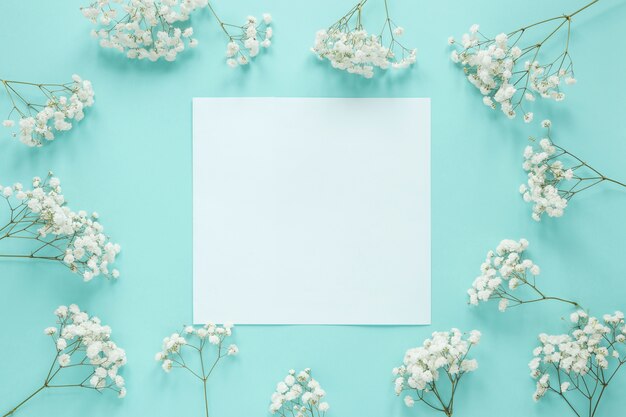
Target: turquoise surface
point(130, 160)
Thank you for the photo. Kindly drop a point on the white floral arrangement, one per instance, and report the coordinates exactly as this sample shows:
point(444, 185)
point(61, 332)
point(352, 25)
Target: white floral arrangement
point(155, 29)
point(41, 217)
point(578, 366)
point(349, 47)
point(504, 272)
point(83, 344)
point(197, 341)
point(299, 395)
point(144, 29)
point(506, 70)
point(441, 360)
point(58, 106)
point(552, 182)
point(247, 40)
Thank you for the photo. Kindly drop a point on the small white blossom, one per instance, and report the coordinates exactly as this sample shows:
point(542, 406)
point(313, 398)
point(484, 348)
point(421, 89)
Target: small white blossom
point(181, 350)
point(583, 353)
point(254, 36)
point(144, 29)
point(84, 341)
point(64, 104)
point(504, 271)
point(72, 238)
point(424, 366)
point(549, 186)
point(351, 48)
point(501, 70)
point(300, 394)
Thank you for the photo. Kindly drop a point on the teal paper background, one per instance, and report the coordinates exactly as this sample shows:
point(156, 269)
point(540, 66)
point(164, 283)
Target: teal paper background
point(130, 160)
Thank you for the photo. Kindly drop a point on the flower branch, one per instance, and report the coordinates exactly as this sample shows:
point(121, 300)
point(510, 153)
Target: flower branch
point(504, 272)
point(52, 112)
point(40, 220)
point(196, 342)
point(147, 29)
point(446, 353)
point(349, 47)
point(506, 69)
point(579, 366)
point(81, 342)
point(299, 395)
point(551, 183)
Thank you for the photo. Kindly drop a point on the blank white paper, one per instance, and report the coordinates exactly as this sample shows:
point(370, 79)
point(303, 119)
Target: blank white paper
point(311, 211)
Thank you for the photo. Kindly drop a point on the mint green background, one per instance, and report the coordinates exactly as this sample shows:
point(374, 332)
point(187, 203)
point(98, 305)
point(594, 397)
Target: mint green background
point(130, 160)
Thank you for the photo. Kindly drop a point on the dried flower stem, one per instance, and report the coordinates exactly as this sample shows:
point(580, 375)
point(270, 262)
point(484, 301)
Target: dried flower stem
point(23, 106)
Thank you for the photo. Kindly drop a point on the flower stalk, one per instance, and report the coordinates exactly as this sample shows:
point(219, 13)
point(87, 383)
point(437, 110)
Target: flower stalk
point(40, 220)
point(197, 341)
point(506, 68)
point(551, 182)
point(81, 342)
point(504, 272)
point(349, 47)
point(57, 106)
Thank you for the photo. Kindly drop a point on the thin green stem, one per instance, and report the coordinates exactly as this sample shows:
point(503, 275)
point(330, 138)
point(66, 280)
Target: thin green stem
point(25, 401)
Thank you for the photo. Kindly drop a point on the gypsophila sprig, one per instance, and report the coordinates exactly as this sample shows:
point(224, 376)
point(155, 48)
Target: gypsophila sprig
point(299, 395)
point(144, 29)
point(189, 349)
point(579, 366)
point(349, 47)
point(555, 175)
point(83, 344)
point(149, 29)
point(247, 40)
point(432, 372)
point(504, 273)
point(508, 70)
point(55, 109)
point(40, 225)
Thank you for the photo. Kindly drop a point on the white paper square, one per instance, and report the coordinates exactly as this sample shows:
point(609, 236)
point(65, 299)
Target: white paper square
point(311, 210)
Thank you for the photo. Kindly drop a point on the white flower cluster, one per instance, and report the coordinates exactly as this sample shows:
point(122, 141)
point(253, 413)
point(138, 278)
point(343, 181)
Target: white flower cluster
point(172, 345)
point(587, 351)
point(144, 29)
point(79, 334)
point(74, 238)
point(299, 395)
point(349, 47)
point(357, 52)
point(242, 48)
point(544, 177)
point(504, 265)
point(56, 115)
point(196, 340)
point(503, 272)
point(493, 67)
point(502, 269)
point(445, 353)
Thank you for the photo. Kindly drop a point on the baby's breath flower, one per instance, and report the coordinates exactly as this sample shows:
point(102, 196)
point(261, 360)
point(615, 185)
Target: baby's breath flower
point(571, 364)
point(72, 238)
point(424, 367)
point(84, 343)
point(299, 395)
point(247, 40)
point(349, 47)
point(179, 350)
point(555, 176)
point(53, 112)
point(155, 29)
point(503, 272)
point(509, 72)
point(144, 29)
